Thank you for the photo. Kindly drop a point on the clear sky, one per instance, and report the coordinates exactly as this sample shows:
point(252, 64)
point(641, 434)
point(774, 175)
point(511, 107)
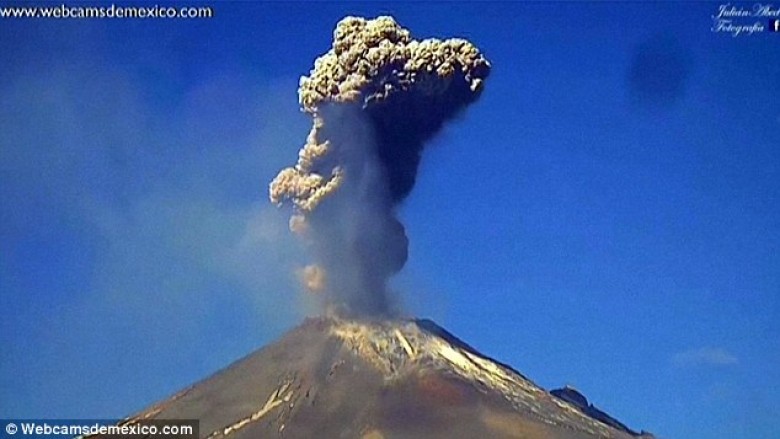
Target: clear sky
point(606, 216)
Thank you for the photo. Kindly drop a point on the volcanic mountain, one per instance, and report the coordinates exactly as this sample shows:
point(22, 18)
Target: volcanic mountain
point(375, 379)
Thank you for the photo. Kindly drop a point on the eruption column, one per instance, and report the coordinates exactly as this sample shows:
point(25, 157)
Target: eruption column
point(375, 98)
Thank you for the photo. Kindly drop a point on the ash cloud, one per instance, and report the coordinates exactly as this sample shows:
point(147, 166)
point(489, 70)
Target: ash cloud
point(659, 73)
point(375, 98)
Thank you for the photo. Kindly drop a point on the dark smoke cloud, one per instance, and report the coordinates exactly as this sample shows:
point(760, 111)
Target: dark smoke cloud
point(375, 99)
point(659, 73)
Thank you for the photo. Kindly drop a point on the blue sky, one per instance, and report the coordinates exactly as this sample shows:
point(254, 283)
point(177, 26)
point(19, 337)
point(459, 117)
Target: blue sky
point(605, 216)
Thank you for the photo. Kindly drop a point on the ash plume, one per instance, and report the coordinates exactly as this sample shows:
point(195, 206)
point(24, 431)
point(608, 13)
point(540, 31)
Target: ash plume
point(375, 98)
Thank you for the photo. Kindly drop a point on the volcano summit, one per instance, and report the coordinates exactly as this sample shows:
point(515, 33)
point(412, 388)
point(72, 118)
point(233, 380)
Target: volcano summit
point(334, 378)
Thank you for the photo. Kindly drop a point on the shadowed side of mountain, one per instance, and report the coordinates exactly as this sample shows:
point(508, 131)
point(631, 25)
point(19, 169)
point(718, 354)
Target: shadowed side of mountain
point(577, 399)
point(373, 380)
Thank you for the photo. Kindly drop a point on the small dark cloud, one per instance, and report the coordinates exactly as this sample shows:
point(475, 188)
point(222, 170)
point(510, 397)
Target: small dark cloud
point(659, 72)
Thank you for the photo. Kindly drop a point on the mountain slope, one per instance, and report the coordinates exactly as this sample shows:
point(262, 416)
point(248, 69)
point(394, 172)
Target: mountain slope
point(333, 378)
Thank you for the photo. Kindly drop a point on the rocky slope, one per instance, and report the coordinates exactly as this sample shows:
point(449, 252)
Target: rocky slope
point(332, 378)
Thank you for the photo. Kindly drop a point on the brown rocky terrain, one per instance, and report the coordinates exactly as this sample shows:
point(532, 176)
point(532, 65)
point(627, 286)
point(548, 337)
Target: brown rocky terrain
point(334, 378)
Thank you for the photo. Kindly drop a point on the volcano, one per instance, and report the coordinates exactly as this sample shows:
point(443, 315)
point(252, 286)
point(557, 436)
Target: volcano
point(379, 379)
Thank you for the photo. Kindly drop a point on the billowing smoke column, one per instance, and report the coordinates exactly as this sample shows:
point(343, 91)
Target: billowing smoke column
point(375, 98)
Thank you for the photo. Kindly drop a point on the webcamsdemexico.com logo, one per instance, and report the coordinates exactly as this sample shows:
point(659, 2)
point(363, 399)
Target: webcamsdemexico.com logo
point(64, 11)
point(162, 428)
